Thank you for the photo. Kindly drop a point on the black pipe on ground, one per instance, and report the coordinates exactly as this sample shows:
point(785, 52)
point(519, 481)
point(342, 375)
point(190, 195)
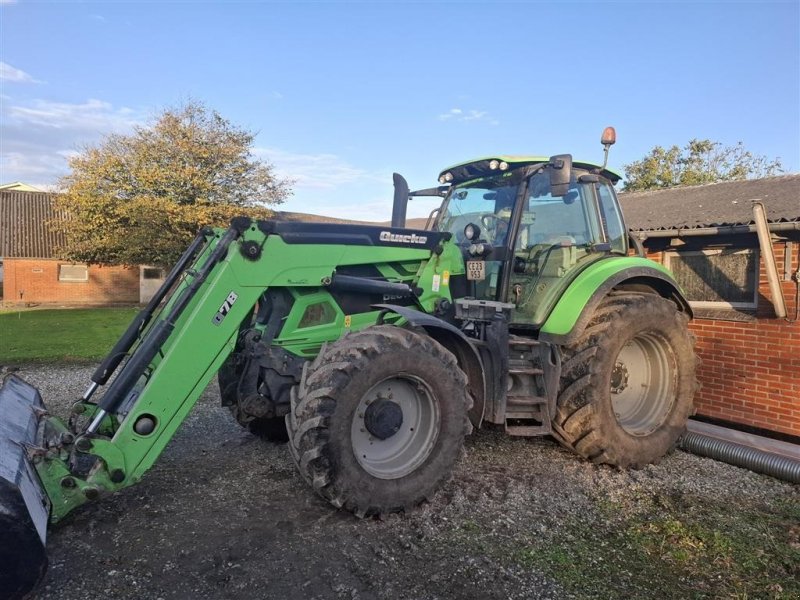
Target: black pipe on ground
point(759, 460)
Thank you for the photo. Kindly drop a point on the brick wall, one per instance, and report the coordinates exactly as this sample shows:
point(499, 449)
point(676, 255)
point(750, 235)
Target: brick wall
point(750, 371)
point(37, 279)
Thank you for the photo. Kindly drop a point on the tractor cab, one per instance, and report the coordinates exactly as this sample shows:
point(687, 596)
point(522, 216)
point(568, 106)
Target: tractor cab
point(527, 226)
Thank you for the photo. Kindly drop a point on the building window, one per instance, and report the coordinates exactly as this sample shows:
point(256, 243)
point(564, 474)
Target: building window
point(73, 273)
point(725, 278)
point(152, 273)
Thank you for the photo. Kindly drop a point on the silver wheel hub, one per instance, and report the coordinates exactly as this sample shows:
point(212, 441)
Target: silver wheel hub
point(619, 378)
point(395, 427)
point(643, 384)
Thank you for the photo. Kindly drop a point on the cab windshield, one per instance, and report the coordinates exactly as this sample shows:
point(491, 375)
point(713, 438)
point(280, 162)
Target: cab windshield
point(486, 202)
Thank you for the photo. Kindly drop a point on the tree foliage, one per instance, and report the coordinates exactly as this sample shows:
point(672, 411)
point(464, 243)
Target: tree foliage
point(141, 198)
point(700, 161)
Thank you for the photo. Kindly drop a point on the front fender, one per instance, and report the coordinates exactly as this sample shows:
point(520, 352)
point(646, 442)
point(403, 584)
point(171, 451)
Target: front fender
point(575, 308)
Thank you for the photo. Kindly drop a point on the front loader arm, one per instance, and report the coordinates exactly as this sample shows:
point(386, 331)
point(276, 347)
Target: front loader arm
point(160, 382)
point(186, 343)
point(176, 345)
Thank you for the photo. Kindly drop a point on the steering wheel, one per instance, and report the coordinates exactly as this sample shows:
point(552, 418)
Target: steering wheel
point(490, 221)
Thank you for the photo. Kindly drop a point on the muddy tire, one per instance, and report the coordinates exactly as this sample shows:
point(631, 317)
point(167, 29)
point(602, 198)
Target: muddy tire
point(627, 384)
point(378, 420)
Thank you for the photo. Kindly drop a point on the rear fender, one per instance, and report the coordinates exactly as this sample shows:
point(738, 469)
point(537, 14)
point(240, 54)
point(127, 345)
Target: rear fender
point(456, 342)
point(574, 310)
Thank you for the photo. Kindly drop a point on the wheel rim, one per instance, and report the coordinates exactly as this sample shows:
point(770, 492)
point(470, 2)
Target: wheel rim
point(643, 384)
point(405, 449)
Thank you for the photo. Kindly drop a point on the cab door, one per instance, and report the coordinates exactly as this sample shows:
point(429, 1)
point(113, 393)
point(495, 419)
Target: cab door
point(557, 237)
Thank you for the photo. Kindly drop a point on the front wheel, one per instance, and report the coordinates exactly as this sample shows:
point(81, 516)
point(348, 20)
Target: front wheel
point(628, 383)
point(378, 420)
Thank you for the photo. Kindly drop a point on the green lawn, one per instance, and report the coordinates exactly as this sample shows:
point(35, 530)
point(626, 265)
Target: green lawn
point(73, 335)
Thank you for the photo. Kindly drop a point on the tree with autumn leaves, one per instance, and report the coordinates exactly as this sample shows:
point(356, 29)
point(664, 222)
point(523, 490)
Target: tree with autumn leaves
point(141, 198)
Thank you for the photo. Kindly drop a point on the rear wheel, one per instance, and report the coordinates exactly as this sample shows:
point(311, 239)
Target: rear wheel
point(378, 420)
point(627, 384)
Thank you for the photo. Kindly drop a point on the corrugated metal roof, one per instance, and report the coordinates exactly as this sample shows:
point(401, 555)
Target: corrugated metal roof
point(24, 232)
point(713, 205)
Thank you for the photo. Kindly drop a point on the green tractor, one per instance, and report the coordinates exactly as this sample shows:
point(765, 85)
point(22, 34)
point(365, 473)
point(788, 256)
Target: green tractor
point(375, 350)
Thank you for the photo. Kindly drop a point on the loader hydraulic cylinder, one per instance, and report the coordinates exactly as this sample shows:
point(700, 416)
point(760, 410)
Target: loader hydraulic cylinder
point(155, 339)
point(137, 326)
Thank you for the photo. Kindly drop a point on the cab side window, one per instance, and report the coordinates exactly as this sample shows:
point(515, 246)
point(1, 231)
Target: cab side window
point(612, 219)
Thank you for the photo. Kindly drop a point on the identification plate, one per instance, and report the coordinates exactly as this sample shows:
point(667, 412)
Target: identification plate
point(476, 270)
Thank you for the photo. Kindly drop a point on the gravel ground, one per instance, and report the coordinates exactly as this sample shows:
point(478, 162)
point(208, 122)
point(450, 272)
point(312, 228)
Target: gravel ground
point(225, 515)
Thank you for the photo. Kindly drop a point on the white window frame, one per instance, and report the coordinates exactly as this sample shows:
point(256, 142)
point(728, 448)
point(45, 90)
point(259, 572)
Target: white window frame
point(63, 279)
point(668, 254)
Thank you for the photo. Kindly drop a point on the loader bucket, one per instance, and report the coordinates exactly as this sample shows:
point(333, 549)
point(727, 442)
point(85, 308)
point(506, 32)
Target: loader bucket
point(24, 506)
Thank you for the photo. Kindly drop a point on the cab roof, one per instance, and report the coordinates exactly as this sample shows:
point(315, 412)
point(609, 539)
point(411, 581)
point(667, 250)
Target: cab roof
point(479, 167)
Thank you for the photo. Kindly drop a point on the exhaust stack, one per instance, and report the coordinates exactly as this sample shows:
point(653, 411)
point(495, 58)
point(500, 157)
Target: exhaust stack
point(400, 200)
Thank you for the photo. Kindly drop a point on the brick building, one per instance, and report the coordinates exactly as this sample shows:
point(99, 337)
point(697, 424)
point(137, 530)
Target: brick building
point(750, 358)
point(33, 274)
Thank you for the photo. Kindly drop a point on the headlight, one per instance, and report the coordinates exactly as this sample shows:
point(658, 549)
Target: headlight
point(494, 164)
point(471, 232)
point(477, 249)
point(503, 166)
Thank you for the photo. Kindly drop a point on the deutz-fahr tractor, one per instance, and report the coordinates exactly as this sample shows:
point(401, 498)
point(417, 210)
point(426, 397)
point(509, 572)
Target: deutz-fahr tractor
point(374, 350)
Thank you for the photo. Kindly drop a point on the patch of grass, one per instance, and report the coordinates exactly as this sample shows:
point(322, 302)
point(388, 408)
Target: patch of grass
point(741, 553)
point(676, 549)
point(470, 526)
point(594, 563)
point(71, 335)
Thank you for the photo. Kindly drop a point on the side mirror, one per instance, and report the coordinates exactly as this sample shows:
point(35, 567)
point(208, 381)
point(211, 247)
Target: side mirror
point(560, 174)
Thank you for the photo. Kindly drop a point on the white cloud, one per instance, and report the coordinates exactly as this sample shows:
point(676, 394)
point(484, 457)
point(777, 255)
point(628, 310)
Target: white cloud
point(320, 171)
point(458, 114)
point(91, 115)
point(452, 113)
point(365, 203)
point(475, 115)
point(327, 184)
point(39, 136)
point(9, 73)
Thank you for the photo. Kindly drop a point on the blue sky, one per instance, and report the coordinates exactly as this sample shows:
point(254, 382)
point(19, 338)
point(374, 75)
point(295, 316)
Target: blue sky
point(344, 93)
